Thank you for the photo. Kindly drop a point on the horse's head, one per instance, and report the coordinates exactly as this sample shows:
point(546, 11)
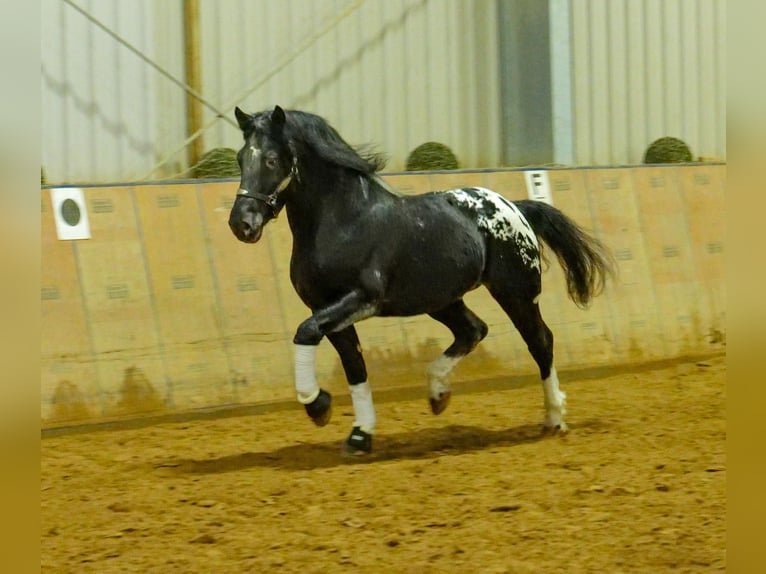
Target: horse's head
point(268, 166)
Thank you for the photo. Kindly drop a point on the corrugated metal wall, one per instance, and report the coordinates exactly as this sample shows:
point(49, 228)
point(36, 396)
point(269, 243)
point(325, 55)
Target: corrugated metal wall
point(98, 107)
point(394, 73)
point(645, 69)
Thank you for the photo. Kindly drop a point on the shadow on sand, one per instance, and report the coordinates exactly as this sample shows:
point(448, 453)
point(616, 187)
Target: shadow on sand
point(419, 444)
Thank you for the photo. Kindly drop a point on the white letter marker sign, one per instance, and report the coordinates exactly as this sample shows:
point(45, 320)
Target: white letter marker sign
point(70, 213)
point(538, 185)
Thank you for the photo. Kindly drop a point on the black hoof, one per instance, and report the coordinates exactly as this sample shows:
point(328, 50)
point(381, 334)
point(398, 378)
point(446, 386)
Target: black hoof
point(358, 443)
point(438, 405)
point(320, 410)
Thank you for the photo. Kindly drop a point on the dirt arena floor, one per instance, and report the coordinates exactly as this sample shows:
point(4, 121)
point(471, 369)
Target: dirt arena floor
point(637, 485)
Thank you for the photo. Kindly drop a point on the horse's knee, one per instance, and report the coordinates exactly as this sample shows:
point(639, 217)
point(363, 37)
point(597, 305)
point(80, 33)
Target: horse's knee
point(308, 333)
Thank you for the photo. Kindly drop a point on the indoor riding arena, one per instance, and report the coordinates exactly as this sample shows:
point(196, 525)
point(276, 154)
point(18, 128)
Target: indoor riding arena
point(178, 362)
point(172, 441)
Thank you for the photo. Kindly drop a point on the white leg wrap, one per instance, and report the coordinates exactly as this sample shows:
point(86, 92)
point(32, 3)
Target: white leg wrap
point(305, 373)
point(438, 373)
point(555, 401)
point(364, 409)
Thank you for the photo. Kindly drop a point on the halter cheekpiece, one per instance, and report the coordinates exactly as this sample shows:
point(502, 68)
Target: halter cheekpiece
point(271, 199)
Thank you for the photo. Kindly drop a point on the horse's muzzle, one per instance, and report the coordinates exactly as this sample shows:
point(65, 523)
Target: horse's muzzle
point(247, 227)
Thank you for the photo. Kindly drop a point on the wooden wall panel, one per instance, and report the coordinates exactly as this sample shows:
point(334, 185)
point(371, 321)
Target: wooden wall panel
point(253, 332)
point(178, 265)
point(118, 304)
point(164, 310)
point(69, 388)
point(444, 181)
point(704, 208)
point(407, 184)
point(669, 250)
point(635, 331)
point(391, 353)
point(509, 184)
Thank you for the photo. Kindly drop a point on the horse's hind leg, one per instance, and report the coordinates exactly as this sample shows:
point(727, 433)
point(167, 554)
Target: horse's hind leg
point(526, 317)
point(468, 330)
point(346, 343)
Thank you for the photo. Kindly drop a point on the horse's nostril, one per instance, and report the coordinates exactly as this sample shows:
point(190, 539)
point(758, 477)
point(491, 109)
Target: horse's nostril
point(246, 226)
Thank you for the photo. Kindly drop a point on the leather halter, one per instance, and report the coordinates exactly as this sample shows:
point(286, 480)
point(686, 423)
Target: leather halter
point(273, 197)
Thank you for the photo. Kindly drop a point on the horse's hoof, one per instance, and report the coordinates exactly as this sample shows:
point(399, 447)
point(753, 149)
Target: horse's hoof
point(358, 443)
point(559, 429)
point(320, 410)
point(438, 405)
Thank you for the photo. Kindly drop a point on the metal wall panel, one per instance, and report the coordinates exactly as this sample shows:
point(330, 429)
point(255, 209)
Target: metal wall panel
point(169, 100)
point(647, 69)
point(100, 110)
point(394, 73)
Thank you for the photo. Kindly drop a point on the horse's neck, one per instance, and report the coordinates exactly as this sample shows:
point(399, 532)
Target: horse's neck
point(338, 197)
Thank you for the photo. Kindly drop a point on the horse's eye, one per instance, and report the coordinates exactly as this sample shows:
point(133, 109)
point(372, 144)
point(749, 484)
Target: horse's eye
point(271, 162)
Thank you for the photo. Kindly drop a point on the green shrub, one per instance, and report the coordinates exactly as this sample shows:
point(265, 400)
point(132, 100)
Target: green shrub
point(218, 162)
point(431, 156)
point(668, 150)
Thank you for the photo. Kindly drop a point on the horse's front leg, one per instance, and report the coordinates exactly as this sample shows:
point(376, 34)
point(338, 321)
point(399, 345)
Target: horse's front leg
point(333, 318)
point(347, 345)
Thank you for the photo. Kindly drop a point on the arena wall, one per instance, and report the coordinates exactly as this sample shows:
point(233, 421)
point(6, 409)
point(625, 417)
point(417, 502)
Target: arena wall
point(163, 311)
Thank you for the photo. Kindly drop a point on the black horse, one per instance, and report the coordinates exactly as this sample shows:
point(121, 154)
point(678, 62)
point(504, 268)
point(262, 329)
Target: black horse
point(361, 250)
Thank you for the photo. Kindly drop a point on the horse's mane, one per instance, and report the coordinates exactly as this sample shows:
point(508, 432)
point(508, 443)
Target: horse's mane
point(315, 133)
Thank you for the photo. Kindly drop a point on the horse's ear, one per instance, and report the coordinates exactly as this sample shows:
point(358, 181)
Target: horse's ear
point(244, 120)
point(278, 117)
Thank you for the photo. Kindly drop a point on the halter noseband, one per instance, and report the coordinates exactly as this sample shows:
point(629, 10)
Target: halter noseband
point(271, 199)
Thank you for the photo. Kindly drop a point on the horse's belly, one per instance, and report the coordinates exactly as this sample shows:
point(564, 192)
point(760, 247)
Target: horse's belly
point(427, 282)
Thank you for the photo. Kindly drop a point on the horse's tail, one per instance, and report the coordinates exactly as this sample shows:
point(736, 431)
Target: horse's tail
point(585, 260)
